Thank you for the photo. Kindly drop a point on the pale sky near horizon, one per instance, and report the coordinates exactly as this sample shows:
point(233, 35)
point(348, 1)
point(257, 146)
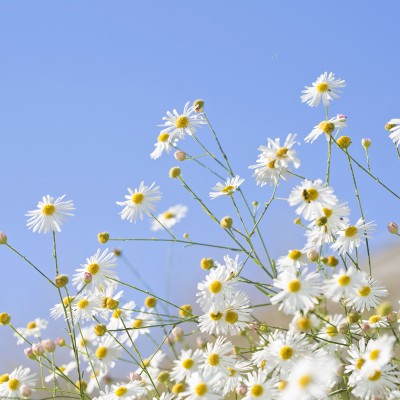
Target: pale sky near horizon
point(83, 86)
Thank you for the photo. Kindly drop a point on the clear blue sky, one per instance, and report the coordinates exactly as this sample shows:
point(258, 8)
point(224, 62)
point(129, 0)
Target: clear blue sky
point(83, 86)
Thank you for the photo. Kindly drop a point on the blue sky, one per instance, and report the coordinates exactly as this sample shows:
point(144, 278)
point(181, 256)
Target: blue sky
point(83, 86)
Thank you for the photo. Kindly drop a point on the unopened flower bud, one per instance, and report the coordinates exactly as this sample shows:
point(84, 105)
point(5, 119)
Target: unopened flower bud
point(178, 333)
point(198, 105)
point(150, 302)
point(61, 281)
point(178, 388)
point(49, 345)
point(344, 142)
point(341, 117)
point(186, 236)
point(388, 126)
point(111, 303)
point(4, 318)
point(163, 377)
point(226, 222)
point(236, 350)
point(313, 255)
point(180, 155)
point(201, 342)
point(343, 328)
point(25, 391)
point(339, 370)
point(353, 317)
point(103, 237)
point(133, 376)
point(174, 172)
point(297, 221)
point(206, 263)
point(185, 310)
point(384, 308)
point(29, 353)
point(170, 340)
point(393, 227)
point(80, 384)
point(332, 261)
point(324, 260)
point(107, 379)
point(391, 317)
point(87, 277)
point(100, 329)
point(255, 204)
point(117, 252)
point(3, 238)
point(366, 143)
point(241, 390)
point(365, 327)
point(60, 342)
point(38, 349)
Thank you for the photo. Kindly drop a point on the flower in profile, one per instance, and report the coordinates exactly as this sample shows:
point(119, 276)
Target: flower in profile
point(33, 329)
point(326, 127)
point(169, 217)
point(50, 214)
point(163, 144)
point(20, 377)
point(394, 128)
point(227, 188)
point(177, 125)
point(325, 88)
point(139, 202)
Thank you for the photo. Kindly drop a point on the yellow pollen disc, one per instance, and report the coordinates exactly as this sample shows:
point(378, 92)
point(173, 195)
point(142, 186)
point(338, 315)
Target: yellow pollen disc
point(137, 198)
point(137, 323)
point(13, 384)
point(231, 317)
point(169, 215)
point(271, 164)
point(322, 87)
point(374, 354)
point(104, 301)
point(63, 368)
point(282, 152)
point(232, 371)
point(310, 195)
point(304, 323)
point(263, 364)
point(178, 388)
point(359, 363)
point(93, 268)
point(188, 363)
point(294, 286)
point(67, 300)
point(257, 390)
point(146, 362)
point(286, 352)
point(182, 122)
point(117, 313)
point(78, 384)
point(364, 291)
point(282, 385)
point(82, 304)
point(327, 212)
point(112, 304)
point(120, 391)
point(304, 381)
point(215, 317)
point(373, 319)
point(213, 359)
point(101, 352)
point(228, 189)
point(31, 325)
point(4, 378)
point(82, 343)
point(327, 127)
point(351, 231)
point(294, 254)
point(163, 137)
point(215, 287)
point(200, 389)
point(344, 280)
point(48, 209)
point(331, 331)
point(375, 376)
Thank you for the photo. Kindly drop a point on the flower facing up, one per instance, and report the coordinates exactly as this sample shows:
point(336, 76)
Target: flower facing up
point(325, 88)
point(326, 127)
point(139, 202)
point(105, 354)
point(200, 388)
point(298, 291)
point(49, 215)
point(123, 391)
point(227, 188)
point(260, 386)
point(394, 125)
point(84, 306)
point(16, 381)
point(342, 284)
point(169, 218)
point(177, 125)
point(293, 260)
point(33, 329)
point(187, 363)
point(266, 171)
point(163, 144)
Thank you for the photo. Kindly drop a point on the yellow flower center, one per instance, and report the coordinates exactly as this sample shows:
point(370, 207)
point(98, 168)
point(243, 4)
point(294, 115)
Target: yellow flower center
point(93, 268)
point(344, 280)
point(163, 137)
point(48, 209)
point(331, 331)
point(182, 122)
point(257, 390)
point(117, 313)
point(359, 363)
point(13, 384)
point(137, 323)
point(232, 371)
point(373, 319)
point(82, 304)
point(111, 303)
point(101, 352)
point(215, 287)
point(351, 231)
point(364, 291)
point(137, 198)
point(228, 189)
point(200, 389)
point(282, 385)
point(169, 215)
point(188, 363)
point(327, 212)
point(304, 381)
point(327, 127)
point(310, 194)
point(231, 317)
point(322, 87)
point(178, 388)
point(294, 286)
point(67, 300)
point(374, 354)
point(119, 392)
point(286, 352)
point(146, 362)
point(304, 323)
point(282, 152)
point(375, 376)
point(31, 325)
point(271, 164)
point(215, 317)
point(294, 254)
point(213, 359)
point(263, 364)
point(4, 378)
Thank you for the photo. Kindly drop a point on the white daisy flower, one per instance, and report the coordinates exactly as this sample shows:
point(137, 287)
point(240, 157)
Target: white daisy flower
point(163, 143)
point(100, 265)
point(327, 128)
point(352, 236)
point(139, 202)
point(61, 371)
point(293, 260)
point(86, 340)
point(378, 353)
point(312, 197)
point(177, 125)
point(325, 88)
point(123, 391)
point(228, 383)
point(187, 363)
point(330, 332)
point(232, 264)
point(200, 388)
point(259, 386)
point(227, 188)
point(367, 294)
point(356, 359)
point(50, 214)
point(151, 366)
point(375, 321)
point(33, 329)
point(266, 171)
point(105, 354)
point(169, 218)
point(342, 284)
point(60, 309)
point(298, 292)
point(85, 306)
point(304, 323)
point(394, 125)
point(107, 297)
point(121, 316)
point(20, 377)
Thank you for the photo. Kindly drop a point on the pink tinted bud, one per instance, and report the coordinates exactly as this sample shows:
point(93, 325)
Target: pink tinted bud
point(393, 227)
point(25, 391)
point(29, 353)
point(241, 390)
point(60, 341)
point(133, 376)
point(170, 340)
point(49, 345)
point(87, 277)
point(365, 327)
point(3, 238)
point(38, 349)
point(180, 155)
point(341, 117)
point(178, 332)
point(201, 342)
point(313, 255)
point(107, 379)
